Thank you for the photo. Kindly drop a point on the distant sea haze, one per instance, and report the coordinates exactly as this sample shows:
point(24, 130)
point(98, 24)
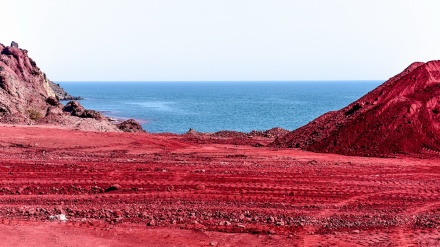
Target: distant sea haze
point(213, 106)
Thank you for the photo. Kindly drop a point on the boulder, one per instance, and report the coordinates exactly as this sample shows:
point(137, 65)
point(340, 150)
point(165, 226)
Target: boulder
point(53, 101)
point(74, 108)
point(130, 125)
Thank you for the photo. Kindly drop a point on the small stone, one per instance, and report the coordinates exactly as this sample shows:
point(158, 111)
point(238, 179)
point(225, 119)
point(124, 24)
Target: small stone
point(213, 243)
point(113, 187)
point(279, 223)
point(200, 187)
point(225, 223)
point(152, 222)
point(118, 213)
point(59, 217)
point(198, 226)
point(271, 220)
point(356, 232)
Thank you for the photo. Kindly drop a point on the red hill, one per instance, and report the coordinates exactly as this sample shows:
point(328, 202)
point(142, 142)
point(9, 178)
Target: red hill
point(400, 116)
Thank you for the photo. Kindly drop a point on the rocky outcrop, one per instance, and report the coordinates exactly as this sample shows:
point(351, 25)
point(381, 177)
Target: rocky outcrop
point(60, 93)
point(28, 97)
point(400, 116)
point(130, 125)
point(77, 110)
point(24, 87)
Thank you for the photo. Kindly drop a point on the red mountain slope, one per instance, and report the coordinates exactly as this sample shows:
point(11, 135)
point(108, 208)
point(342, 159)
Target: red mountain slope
point(400, 116)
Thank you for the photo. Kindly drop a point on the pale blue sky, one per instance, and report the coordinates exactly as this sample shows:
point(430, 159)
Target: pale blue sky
point(220, 40)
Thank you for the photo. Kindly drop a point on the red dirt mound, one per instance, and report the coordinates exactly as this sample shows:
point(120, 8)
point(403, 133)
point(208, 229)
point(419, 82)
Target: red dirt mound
point(400, 116)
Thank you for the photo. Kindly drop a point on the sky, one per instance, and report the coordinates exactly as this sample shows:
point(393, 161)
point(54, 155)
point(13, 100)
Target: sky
point(223, 40)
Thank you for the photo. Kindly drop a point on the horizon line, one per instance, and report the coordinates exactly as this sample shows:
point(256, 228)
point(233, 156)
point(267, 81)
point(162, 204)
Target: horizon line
point(228, 81)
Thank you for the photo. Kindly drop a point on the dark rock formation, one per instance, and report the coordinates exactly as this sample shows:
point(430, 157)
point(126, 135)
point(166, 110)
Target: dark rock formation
point(60, 93)
point(130, 125)
point(53, 101)
point(400, 116)
point(74, 108)
point(77, 110)
point(14, 44)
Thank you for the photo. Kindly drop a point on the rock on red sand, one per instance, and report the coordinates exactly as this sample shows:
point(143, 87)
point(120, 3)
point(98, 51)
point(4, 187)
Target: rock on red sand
point(400, 116)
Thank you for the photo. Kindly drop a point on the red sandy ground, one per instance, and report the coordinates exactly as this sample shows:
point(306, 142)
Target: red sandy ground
point(183, 191)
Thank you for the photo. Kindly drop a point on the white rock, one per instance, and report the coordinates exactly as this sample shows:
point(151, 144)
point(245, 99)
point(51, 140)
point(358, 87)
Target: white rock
point(60, 217)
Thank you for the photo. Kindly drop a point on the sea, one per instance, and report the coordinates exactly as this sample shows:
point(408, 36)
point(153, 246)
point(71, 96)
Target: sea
point(175, 107)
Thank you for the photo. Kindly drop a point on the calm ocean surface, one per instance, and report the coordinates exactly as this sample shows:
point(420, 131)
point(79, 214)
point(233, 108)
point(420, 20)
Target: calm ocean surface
point(213, 106)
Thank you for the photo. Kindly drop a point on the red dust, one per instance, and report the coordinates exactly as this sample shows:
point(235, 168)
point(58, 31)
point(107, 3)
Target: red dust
point(136, 189)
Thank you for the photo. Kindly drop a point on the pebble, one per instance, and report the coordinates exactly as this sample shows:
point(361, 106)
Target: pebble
point(113, 187)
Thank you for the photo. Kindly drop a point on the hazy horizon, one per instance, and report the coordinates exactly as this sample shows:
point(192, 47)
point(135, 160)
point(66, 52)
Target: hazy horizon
point(202, 40)
point(282, 81)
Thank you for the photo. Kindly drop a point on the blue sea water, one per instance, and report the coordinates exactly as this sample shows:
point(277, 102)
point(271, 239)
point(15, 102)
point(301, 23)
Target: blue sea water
point(213, 106)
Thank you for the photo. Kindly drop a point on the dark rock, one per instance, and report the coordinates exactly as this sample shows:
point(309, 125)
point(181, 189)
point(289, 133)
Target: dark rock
point(77, 110)
point(113, 188)
point(14, 44)
point(92, 114)
point(74, 108)
point(60, 93)
point(191, 131)
point(52, 101)
point(130, 125)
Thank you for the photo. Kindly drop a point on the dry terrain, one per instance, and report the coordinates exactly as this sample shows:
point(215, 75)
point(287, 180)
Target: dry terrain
point(131, 189)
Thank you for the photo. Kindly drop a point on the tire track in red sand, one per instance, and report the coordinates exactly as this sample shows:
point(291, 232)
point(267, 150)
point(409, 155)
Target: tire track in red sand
point(168, 181)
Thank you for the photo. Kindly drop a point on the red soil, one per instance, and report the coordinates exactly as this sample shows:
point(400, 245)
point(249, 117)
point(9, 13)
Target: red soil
point(121, 189)
point(400, 116)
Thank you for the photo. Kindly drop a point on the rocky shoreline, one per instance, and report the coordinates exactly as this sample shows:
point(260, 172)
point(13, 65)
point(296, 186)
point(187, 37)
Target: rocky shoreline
point(61, 94)
point(28, 97)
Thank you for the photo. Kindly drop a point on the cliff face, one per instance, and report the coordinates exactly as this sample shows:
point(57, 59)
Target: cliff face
point(27, 96)
point(24, 87)
point(400, 116)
